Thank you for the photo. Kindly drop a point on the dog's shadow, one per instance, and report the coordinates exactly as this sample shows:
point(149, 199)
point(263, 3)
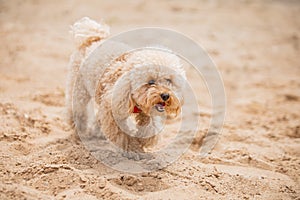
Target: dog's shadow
point(112, 156)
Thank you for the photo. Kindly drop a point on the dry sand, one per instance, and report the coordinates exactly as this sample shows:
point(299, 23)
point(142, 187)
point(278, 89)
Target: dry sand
point(256, 46)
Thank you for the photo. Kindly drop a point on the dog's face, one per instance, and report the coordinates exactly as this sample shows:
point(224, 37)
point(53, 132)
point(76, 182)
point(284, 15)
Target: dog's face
point(157, 89)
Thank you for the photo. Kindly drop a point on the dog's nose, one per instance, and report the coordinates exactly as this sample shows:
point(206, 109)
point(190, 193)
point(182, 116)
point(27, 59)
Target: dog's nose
point(165, 96)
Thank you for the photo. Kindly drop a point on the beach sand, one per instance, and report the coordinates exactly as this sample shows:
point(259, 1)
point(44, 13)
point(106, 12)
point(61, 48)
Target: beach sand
point(256, 47)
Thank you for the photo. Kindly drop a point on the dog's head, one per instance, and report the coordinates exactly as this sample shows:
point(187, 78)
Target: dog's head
point(157, 81)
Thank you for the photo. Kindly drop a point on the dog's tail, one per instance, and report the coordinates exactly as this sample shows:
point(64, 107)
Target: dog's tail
point(87, 31)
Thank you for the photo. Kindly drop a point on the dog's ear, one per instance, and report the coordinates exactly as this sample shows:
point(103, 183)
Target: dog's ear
point(173, 108)
point(131, 104)
point(121, 96)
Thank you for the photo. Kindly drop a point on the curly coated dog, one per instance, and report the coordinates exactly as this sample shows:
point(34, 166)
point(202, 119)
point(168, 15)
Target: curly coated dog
point(133, 92)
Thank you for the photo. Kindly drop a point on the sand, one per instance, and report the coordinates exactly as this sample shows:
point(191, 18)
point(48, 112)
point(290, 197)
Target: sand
point(256, 47)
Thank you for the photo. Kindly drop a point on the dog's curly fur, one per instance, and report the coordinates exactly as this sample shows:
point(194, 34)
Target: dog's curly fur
point(118, 83)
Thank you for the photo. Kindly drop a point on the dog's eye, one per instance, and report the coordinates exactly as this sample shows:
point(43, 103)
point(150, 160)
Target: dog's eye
point(151, 82)
point(169, 81)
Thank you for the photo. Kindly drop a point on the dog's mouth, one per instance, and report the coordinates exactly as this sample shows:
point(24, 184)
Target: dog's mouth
point(160, 107)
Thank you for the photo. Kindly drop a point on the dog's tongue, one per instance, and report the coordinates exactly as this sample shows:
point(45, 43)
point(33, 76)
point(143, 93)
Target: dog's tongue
point(160, 107)
point(162, 103)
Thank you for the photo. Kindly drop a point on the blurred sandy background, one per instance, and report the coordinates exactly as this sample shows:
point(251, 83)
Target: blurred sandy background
point(256, 46)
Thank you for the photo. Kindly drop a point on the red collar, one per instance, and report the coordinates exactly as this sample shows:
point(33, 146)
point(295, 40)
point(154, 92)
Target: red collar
point(136, 110)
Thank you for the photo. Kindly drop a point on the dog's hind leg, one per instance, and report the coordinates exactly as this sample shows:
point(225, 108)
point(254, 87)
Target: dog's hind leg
point(81, 98)
point(74, 65)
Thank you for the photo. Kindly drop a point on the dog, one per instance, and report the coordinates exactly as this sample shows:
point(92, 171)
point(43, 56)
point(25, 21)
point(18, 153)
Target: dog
point(134, 92)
